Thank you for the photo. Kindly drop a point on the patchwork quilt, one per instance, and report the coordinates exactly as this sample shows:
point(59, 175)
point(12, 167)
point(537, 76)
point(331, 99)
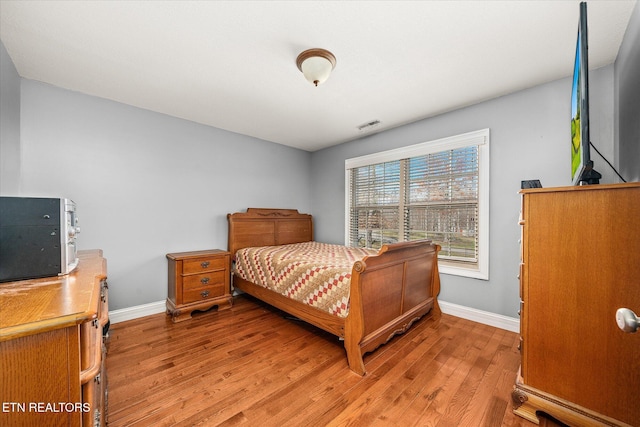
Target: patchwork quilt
point(317, 274)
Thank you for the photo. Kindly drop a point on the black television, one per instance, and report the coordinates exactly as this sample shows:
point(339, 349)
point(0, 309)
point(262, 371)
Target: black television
point(581, 165)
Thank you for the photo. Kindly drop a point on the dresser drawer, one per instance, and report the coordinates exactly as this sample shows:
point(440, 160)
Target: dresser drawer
point(211, 278)
point(94, 405)
point(203, 293)
point(204, 264)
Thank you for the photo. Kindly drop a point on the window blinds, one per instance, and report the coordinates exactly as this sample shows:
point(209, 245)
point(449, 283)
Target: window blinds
point(375, 198)
point(432, 196)
point(442, 201)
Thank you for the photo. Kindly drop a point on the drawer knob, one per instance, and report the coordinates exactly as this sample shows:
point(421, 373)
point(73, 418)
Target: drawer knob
point(204, 264)
point(204, 294)
point(627, 320)
point(204, 280)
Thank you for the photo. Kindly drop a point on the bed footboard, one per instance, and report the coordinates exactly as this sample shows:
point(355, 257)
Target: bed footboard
point(390, 291)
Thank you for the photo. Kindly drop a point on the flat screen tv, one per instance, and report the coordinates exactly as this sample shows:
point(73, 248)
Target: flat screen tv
point(581, 165)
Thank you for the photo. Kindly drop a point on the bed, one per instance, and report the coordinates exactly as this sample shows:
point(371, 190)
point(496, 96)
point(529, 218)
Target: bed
point(387, 290)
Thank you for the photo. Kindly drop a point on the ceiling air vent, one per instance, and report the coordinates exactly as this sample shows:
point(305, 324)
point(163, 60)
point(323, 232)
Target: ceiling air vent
point(369, 126)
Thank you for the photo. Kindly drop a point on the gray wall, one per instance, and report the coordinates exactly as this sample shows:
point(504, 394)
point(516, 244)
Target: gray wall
point(147, 184)
point(530, 138)
point(9, 125)
point(627, 71)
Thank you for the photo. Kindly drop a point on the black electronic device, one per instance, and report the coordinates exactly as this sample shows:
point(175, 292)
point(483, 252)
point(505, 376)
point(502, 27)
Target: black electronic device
point(581, 164)
point(530, 183)
point(37, 237)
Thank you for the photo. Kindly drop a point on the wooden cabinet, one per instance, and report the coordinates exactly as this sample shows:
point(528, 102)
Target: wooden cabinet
point(198, 280)
point(580, 263)
point(52, 350)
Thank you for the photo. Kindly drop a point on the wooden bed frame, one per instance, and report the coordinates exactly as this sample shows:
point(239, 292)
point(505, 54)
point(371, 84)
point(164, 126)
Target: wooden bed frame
point(389, 291)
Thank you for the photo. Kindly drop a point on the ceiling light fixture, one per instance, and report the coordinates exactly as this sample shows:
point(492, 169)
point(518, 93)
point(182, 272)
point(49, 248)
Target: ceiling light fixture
point(316, 65)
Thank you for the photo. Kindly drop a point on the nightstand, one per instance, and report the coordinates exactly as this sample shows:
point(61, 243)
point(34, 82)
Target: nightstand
point(198, 280)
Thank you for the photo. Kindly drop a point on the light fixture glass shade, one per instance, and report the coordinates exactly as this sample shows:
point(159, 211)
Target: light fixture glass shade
point(316, 65)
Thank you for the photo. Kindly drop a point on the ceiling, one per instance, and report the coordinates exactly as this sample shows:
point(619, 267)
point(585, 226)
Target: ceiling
point(231, 64)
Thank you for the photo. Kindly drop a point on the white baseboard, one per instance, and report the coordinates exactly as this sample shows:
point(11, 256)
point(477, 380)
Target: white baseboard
point(130, 313)
point(484, 317)
point(475, 315)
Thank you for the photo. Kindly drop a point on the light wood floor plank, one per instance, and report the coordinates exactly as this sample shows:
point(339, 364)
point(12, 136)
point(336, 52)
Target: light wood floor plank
point(250, 365)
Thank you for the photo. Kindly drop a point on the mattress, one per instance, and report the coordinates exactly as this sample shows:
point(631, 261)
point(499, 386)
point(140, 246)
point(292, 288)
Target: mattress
point(314, 273)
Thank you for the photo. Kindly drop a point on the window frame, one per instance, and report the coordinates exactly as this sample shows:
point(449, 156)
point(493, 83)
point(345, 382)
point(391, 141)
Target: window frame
point(479, 138)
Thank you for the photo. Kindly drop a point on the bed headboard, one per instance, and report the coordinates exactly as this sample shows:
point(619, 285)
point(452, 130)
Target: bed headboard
point(267, 227)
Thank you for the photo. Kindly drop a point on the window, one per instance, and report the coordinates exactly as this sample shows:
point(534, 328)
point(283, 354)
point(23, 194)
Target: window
point(436, 190)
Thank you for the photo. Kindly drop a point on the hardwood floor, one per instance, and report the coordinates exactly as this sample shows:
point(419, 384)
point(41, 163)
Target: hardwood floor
point(250, 365)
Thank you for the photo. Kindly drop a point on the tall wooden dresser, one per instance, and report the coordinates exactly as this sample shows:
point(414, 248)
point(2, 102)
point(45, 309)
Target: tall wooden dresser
point(580, 263)
point(52, 352)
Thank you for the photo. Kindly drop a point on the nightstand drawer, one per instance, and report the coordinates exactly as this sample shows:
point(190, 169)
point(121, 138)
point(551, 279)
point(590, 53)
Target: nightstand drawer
point(211, 278)
point(204, 293)
point(204, 264)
